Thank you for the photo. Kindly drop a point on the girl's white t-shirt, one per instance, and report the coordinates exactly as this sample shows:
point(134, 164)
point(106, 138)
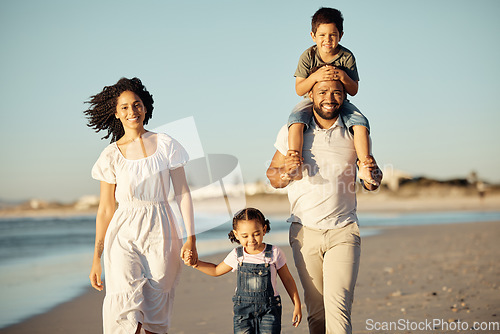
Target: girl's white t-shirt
point(278, 260)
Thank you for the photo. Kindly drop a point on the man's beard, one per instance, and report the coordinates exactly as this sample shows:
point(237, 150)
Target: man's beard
point(327, 116)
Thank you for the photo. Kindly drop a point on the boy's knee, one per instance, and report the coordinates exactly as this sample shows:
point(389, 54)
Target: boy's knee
point(359, 128)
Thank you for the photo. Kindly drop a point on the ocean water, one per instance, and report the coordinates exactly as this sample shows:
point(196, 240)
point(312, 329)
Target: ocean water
point(46, 261)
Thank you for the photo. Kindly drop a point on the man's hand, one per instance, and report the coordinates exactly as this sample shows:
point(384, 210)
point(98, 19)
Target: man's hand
point(293, 164)
point(280, 170)
point(370, 173)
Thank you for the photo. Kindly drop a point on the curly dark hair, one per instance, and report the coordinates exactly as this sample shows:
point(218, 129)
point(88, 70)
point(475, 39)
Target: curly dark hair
point(101, 114)
point(326, 15)
point(248, 214)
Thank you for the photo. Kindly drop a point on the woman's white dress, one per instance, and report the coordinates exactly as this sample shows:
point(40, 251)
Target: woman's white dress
point(142, 245)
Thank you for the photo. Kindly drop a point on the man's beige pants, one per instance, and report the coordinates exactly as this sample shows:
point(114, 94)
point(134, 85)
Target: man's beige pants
point(327, 262)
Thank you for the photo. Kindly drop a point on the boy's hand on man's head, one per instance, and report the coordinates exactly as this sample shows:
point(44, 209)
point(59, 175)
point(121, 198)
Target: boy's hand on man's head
point(339, 74)
point(325, 73)
point(329, 73)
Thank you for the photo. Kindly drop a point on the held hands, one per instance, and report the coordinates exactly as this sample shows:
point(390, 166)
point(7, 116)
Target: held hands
point(188, 258)
point(189, 254)
point(293, 163)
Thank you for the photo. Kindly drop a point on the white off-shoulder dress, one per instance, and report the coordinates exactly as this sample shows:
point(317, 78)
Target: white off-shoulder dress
point(143, 241)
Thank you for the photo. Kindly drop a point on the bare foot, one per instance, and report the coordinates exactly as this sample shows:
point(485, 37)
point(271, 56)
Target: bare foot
point(369, 171)
point(295, 173)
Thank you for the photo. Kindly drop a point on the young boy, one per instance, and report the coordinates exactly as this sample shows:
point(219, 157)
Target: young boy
point(327, 31)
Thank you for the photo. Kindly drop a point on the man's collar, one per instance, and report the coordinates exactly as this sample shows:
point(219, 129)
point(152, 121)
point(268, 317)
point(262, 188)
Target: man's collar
point(316, 126)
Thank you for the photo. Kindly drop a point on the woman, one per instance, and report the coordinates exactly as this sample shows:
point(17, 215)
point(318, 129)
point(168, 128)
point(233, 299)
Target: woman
point(141, 240)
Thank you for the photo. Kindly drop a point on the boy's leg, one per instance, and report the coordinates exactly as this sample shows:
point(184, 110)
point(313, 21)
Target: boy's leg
point(298, 121)
point(295, 143)
point(351, 116)
point(296, 137)
point(308, 259)
point(366, 160)
point(301, 113)
point(357, 123)
point(341, 267)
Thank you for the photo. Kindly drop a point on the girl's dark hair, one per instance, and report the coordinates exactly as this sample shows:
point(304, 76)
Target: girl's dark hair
point(248, 214)
point(101, 114)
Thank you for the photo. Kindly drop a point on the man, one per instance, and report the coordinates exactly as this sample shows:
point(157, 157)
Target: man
point(324, 233)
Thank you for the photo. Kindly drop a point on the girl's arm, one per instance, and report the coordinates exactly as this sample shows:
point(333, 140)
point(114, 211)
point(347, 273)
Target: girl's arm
point(291, 288)
point(212, 269)
point(104, 214)
point(183, 198)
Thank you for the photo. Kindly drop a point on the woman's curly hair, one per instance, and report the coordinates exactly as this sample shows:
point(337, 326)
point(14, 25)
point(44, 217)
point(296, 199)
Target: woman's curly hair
point(249, 214)
point(101, 114)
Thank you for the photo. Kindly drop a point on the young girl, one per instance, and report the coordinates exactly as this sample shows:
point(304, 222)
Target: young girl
point(257, 304)
point(139, 240)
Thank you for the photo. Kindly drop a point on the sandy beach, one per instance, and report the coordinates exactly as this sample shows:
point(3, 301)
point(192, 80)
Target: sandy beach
point(409, 276)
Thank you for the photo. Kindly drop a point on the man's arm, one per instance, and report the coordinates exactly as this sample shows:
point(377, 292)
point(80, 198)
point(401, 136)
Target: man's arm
point(282, 165)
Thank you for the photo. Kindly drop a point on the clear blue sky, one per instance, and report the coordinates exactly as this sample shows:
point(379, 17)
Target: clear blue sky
point(429, 81)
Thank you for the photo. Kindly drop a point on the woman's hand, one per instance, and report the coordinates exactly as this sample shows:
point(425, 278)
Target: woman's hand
point(189, 248)
point(95, 276)
point(187, 257)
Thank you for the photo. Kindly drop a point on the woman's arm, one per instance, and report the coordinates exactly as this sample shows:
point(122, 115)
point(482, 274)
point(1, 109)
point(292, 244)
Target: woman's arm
point(104, 214)
point(185, 203)
point(291, 288)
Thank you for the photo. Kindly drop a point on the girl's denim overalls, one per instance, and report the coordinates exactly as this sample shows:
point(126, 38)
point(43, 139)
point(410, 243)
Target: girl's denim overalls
point(256, 309)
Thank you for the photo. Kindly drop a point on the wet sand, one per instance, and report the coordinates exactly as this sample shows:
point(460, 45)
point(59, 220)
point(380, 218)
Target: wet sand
point(408, 276)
